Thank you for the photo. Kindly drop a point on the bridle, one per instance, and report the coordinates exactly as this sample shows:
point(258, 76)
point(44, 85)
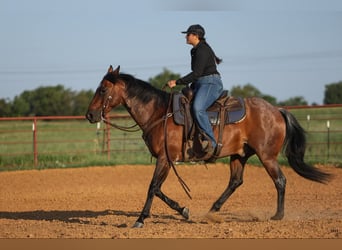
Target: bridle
point(105, 120)
point(132, 128)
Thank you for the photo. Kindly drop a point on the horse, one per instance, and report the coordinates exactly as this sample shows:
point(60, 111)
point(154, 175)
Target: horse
point(264, 132)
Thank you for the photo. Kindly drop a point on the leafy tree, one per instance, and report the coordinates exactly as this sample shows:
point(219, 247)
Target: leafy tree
point(81, 101)
point(249, 90)
point(294, 101)
point(21, 104)
point(51, 100)
point(333, 93)
point(270, 99)
point(5, 107)
point(161, 79)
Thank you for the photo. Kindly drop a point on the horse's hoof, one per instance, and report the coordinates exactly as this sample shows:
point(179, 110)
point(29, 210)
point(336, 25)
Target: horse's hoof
point(277, 217)
point(186, 213)
point(138, 225)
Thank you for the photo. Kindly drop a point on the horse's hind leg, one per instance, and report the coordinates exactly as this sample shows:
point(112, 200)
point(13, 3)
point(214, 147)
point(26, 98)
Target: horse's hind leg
point(184, 211)
point(273, 169)
point(237, 164)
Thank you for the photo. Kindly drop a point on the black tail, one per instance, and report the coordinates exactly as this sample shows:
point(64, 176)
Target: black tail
point(294, 147)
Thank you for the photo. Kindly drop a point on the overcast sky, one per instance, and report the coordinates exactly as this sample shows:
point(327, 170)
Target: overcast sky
point(285, 48)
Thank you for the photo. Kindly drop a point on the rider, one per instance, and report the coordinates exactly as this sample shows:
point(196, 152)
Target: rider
point(205, 79)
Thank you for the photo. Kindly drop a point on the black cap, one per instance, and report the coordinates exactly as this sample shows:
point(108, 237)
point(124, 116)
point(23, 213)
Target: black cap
point(195, 29)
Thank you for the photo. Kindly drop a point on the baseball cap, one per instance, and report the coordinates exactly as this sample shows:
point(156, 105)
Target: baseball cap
point(195, 29)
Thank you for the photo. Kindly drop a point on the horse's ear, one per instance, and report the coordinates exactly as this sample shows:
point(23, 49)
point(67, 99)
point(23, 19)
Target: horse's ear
point(110, 69)
point(117, 71)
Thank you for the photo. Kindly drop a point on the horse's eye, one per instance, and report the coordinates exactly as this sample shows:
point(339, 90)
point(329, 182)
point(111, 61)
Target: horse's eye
point(103, 90)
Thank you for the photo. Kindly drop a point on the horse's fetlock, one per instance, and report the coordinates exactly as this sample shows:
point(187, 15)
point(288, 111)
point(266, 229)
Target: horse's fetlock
point(236, 183)
point(280, 182)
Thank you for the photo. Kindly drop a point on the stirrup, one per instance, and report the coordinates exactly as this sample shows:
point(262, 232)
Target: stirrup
point(215, 154)
point(207, 147)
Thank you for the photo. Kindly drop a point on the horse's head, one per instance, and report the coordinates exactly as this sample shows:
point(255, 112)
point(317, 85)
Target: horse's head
point(107, 96)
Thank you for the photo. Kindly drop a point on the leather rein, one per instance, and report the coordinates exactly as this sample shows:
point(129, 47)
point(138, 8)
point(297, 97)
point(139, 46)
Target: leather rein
point(123, 128)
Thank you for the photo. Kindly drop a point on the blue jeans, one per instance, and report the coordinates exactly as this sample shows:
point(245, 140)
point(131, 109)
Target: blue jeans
point(206, 91)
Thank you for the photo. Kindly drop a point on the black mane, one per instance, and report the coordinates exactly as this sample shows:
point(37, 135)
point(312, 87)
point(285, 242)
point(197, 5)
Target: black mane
point(140, 90)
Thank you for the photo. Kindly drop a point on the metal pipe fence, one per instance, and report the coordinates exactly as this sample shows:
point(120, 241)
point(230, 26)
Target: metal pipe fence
point(70, 141)
point(62, 141)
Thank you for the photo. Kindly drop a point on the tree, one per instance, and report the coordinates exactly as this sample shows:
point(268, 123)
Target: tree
point(161, 79)
point(333, 93)
point(5, 107)
point(51, 100)
point(81, 101)
point(294, 101)
point(55, 100)
point(21, 104)
point(270, 99)
point(249, 90)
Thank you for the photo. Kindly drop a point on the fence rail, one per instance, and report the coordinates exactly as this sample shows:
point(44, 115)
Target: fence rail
point(61, 141)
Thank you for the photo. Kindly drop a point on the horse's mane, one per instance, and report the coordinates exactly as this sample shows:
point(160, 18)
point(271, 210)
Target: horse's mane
point(141, 90)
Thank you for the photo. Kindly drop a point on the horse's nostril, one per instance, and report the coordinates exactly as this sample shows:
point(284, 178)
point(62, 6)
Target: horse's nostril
point(89, 116)
point(93, 116)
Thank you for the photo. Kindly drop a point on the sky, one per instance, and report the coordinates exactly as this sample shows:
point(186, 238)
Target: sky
point(284, 48)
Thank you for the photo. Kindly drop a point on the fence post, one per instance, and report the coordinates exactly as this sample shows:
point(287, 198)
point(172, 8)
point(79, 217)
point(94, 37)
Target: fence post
point(35, 148)
point(108, 142)
point(97, 144)
point(328, 128)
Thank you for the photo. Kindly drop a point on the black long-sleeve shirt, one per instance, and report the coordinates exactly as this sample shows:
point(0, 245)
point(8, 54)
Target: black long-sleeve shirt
point(202, 63)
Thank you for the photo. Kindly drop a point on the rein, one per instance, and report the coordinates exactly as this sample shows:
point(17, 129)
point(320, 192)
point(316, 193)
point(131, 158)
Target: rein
point(126, 129)
point(170, 162)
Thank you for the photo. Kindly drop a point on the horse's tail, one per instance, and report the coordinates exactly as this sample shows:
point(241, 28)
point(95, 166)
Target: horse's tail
point(294, 149)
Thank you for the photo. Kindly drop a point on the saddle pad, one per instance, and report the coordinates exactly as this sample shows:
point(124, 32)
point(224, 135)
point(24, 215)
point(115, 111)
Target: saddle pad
point(235, 106)
point(237, 111)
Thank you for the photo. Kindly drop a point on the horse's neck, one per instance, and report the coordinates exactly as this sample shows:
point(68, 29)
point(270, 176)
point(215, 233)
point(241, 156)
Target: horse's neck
point(144, 114)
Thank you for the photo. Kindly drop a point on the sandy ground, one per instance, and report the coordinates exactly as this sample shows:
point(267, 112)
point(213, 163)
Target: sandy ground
point(104, 202)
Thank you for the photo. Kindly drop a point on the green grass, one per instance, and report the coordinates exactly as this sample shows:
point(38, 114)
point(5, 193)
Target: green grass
point(67, 144)
point(77, 143)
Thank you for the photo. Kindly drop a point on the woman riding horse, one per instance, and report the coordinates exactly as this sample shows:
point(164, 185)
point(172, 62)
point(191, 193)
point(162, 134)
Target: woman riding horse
point(206, 82)
point(264, 131)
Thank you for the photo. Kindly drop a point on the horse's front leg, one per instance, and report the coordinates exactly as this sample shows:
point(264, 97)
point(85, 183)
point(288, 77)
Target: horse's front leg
point(160, 173)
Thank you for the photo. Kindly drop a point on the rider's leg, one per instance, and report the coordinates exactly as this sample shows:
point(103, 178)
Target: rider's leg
point(207, 90)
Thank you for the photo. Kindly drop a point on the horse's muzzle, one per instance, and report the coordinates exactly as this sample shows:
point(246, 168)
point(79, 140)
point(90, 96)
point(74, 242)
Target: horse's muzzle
point(93, 116)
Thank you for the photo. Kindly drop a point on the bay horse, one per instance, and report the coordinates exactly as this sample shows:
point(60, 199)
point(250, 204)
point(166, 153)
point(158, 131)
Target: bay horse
point(264, 131)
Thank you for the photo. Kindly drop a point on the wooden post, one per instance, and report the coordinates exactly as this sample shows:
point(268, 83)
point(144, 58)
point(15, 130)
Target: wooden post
point(35, 148)
point(328, 128)
point(108, 142)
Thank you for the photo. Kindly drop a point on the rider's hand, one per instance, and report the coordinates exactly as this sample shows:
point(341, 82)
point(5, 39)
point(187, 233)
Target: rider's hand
point(171, 83)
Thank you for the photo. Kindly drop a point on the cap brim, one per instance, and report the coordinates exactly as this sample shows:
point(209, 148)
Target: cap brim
point(184, 32)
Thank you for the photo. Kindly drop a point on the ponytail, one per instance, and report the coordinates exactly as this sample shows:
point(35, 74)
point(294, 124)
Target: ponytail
point(217, 59)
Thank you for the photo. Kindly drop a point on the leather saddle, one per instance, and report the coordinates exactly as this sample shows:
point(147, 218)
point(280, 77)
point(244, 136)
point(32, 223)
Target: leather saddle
point(225, 110)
